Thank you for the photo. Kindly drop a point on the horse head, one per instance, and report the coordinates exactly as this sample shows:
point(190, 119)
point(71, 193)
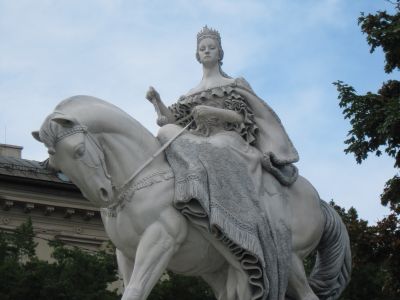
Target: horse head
point(78, 154)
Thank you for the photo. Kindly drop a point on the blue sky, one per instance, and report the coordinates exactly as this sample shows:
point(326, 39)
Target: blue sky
point(289, 51)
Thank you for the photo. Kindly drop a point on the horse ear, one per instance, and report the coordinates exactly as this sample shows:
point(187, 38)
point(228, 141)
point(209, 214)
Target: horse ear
point(65, 121)
point(35, 134)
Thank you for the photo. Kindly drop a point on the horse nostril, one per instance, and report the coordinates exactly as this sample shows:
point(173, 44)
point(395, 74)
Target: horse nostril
point(104, 193)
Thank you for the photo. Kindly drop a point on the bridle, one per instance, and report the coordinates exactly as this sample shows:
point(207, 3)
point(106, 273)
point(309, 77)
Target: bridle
point(119, 189)
point(99, 151)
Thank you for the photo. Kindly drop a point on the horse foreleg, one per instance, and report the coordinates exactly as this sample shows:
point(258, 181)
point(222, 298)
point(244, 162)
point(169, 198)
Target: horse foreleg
point(158, 244)
point(125, 266)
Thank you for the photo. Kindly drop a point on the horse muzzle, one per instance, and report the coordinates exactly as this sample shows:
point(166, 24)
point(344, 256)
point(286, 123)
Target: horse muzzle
point(105, 196)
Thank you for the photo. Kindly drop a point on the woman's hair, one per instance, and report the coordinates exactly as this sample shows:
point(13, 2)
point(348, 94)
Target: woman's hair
point(213, 34)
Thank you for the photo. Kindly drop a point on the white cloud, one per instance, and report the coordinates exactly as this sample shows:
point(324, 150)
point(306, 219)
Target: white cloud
point(290, 52)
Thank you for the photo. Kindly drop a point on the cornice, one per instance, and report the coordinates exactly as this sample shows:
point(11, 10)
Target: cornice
point(47, 208)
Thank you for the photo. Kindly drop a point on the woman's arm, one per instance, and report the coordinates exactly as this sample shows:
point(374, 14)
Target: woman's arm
point(201, 112)
point(164, 115)
point(211, 119)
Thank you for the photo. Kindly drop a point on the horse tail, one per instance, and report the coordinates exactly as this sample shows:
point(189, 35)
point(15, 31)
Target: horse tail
point(332, 269)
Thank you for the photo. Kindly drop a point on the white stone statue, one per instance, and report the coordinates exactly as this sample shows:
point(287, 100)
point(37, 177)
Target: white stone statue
point(224, 202)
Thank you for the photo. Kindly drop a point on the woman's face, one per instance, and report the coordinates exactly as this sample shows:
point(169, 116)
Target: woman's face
point(208, 52)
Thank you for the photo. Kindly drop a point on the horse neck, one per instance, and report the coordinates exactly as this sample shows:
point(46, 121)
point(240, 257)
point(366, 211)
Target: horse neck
point(125, 153)
point(126, 144)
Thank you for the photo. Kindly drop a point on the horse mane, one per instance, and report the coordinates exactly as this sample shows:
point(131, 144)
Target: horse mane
point(98, 116)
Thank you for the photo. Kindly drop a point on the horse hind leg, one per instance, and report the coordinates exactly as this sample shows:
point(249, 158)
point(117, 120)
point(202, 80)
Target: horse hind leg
point(217, 282)
point(298, 287)
point(229, 284)
point(237, 285)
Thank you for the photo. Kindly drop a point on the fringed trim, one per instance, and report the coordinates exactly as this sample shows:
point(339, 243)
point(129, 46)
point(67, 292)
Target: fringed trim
point(191, 187)
point(220, 222)
point(251, 262)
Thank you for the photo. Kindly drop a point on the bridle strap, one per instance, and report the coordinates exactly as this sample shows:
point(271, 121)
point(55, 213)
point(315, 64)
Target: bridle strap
point(72, 131)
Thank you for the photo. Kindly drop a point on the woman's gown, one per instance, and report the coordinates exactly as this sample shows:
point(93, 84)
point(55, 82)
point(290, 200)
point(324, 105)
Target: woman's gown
point(220, 182)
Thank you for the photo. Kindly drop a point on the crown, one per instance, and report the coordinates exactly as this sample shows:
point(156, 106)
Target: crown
point(208, 33)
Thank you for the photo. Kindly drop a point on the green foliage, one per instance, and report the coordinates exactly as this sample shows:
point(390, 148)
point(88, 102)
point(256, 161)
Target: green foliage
point(178, 287)
point(375, 121)
point(387, 239)
point(391, 194)
point(75, 274)
point(375, 257)
point(18, 246)
point(375, 118)
point(383, 30)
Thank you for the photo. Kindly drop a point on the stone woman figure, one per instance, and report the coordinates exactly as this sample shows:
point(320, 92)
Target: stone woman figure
point(218, 165)
point(234, 104)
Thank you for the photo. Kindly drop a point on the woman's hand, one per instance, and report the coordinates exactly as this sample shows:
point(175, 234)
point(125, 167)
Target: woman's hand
point(152, 95)
point(164, 116)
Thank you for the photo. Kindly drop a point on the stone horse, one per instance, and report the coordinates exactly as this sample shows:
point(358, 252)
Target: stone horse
point(100, 148)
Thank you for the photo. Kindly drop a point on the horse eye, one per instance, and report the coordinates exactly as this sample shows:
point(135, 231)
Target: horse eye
point(79, 151)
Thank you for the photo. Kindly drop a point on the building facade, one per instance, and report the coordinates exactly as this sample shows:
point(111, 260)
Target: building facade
point(57, 208)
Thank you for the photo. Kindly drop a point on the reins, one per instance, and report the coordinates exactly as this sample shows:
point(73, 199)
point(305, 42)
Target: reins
point(157, 153)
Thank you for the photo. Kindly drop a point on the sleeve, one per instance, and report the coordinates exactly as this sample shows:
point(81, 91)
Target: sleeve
point(279, 154)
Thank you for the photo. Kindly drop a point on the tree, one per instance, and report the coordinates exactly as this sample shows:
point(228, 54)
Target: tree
point(178, 287)
point(75, 274)
point(375, 117)
point(375, 120)
point(370, 277)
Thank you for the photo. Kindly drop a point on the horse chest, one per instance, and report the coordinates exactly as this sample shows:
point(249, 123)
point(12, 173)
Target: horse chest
point(123, 232)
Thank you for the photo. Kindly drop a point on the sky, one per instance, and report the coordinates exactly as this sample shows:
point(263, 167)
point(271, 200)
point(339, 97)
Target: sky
point(290, 52)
